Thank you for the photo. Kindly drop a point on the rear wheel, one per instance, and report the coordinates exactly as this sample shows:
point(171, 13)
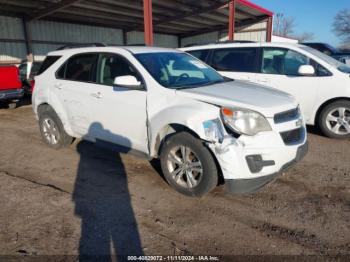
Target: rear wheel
point(188, 165)
point(52, 130)
point(334, 120)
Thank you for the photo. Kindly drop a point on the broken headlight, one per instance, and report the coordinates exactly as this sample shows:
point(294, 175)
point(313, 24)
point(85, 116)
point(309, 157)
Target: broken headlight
point(213, 130)
point(244, 121)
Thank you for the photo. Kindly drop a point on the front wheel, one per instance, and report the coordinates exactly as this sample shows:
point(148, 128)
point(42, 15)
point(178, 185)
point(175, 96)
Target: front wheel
point(334, 120)
point(188, 165)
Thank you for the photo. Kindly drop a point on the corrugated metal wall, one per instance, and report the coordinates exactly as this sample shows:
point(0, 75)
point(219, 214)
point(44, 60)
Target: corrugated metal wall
point(61, 32)
point(200, 39)
point(47, 36)
point(56, 34)
point(159, 39)
point(11, 28)
point(255, 32)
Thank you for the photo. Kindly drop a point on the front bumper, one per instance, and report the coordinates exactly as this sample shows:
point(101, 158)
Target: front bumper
point(241, 186)
point(11, 94)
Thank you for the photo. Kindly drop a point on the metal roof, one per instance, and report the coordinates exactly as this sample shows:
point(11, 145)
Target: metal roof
point(176, 17)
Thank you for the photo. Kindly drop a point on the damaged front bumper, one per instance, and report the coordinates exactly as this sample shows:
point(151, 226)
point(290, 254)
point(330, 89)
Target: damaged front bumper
point(242, 186)
point(250, 162)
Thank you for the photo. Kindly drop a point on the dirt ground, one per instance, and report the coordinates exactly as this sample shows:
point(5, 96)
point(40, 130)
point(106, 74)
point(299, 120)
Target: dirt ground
point(85, 200)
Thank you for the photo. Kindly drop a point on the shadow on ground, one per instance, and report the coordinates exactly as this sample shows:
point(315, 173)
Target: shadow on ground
point(102, 201)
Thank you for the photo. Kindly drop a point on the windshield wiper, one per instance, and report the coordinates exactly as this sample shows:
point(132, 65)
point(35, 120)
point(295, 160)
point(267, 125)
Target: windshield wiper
point(204, 84)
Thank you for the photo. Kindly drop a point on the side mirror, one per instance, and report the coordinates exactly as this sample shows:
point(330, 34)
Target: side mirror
point(128, 81)
point(306, 70)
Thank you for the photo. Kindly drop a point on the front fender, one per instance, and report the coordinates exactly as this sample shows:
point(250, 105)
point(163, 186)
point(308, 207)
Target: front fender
point(190, 116)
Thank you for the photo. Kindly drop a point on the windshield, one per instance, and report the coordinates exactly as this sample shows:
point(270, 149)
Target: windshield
point(178, 70)
point(329, 60)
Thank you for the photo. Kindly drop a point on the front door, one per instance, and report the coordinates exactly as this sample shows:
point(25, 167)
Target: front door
point(119, 113)
point(279, 69)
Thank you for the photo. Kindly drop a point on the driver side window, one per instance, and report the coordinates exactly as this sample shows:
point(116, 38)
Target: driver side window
point(111, 66)
point(281, 61)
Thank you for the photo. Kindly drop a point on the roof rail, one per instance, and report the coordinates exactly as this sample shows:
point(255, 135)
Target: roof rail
point(234, 41)
point(70, 46)
point(198, 44)
point(221, 42)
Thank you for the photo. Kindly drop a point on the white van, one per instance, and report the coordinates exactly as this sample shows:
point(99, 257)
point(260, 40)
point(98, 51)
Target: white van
point(320, 83)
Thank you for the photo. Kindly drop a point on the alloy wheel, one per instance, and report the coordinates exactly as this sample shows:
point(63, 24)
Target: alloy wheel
point(338, 121)
point(184, 167)
point(50, 131)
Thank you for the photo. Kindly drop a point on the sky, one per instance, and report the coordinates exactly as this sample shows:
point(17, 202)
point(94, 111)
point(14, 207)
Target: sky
point(314, 16)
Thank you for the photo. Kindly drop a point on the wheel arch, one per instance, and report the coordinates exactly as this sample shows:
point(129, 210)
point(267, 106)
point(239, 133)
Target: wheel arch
point(61, 114)
point(174, 128)
point(166, 131)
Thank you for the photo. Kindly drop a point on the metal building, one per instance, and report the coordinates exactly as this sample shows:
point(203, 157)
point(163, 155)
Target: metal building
point(30, 29)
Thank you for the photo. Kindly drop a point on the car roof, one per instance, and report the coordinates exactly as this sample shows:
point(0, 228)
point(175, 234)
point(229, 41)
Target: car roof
point(131, 49)
point(236, 45)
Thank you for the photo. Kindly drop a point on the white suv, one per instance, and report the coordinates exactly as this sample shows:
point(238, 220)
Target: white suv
point(320, 83)
point(166, 104)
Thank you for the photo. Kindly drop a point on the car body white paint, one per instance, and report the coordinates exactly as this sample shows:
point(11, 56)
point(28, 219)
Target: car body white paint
point(310, 91)
point(146, 117)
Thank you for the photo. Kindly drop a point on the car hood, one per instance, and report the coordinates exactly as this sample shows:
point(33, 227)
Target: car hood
point(265, 100)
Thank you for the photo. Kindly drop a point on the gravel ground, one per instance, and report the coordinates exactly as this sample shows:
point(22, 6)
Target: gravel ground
point(88, 201)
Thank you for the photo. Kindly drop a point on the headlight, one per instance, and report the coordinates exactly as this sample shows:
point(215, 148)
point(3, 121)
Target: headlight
point(244, 121)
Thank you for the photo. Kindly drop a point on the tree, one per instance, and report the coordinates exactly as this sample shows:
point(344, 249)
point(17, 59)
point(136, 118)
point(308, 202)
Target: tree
point(284, 26)
point(341, 25)
point(306, 36)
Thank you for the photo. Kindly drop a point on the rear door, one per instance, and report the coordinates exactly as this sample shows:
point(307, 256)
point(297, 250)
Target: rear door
point(236, 63)
point(75, 87)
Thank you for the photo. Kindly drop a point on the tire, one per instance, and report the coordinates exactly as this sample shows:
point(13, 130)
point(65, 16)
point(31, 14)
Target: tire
point(52, 130)
point(334, 120)
point(198, 158)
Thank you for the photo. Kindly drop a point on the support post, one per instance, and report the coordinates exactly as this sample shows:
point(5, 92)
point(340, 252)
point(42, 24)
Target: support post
point(179, 41)
point(148, 22)
point(27, 38)
point(231, 22)
point(125, 37)
point(269, 29)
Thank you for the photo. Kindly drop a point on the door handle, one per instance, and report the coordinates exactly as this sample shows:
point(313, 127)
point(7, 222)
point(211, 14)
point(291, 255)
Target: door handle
point(96, 95)
point(58, 86)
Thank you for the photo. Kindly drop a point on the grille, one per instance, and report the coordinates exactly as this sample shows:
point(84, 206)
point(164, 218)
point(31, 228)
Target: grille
point(294, 136)
point(286, 116)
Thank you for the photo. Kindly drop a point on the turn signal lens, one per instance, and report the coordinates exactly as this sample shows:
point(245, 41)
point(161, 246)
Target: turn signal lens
point(227, 112)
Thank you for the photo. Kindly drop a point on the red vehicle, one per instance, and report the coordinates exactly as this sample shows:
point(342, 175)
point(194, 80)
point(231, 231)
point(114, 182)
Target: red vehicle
point(11, 89)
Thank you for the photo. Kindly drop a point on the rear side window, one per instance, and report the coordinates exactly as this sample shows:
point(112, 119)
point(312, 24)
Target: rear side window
point(79, 68)
point(49, 61)
point(235, 59)
point(200, 54)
